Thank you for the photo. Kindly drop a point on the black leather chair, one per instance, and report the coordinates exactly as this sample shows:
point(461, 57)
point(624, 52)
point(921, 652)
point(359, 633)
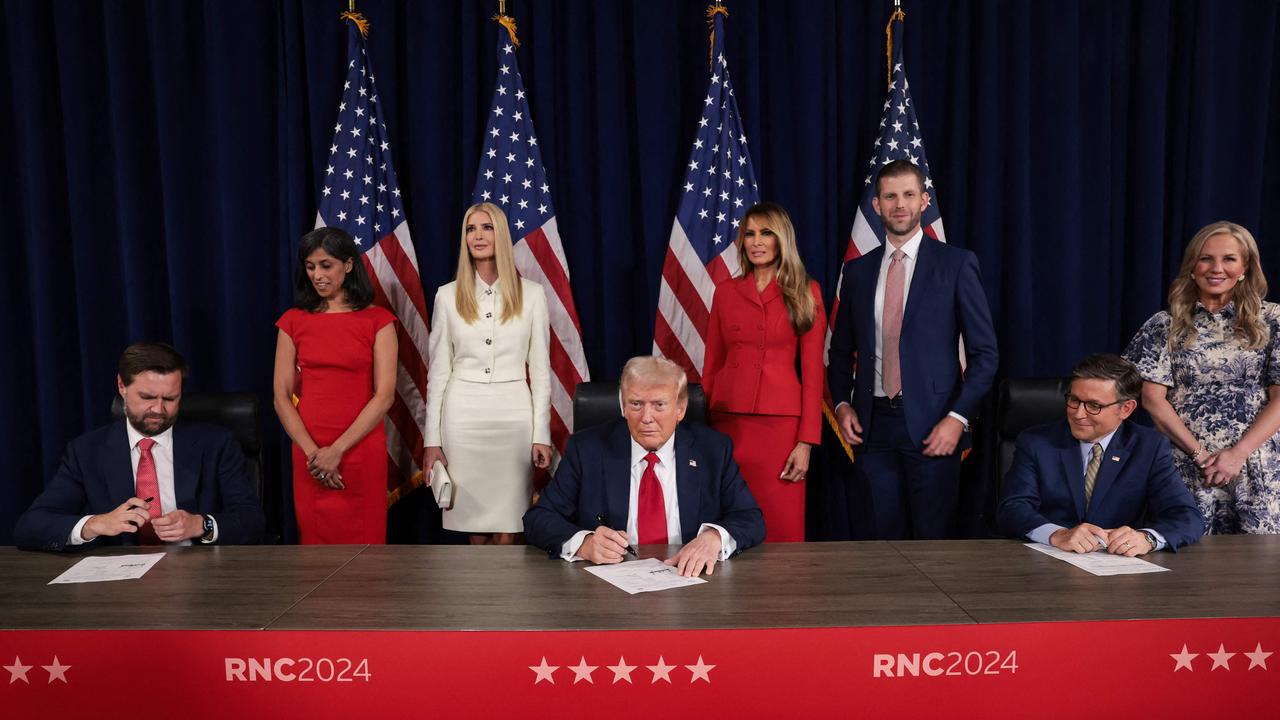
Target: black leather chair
point(237, 412)
point(1023, 403)
point(596, 402)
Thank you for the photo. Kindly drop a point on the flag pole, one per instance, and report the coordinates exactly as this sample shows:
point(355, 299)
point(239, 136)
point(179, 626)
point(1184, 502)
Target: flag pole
point(507, 22)
point(361, 23)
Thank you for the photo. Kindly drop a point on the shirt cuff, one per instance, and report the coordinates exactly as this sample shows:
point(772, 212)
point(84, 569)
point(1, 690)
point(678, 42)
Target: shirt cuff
point(1160, 541)
point(569, 550)
point(728, 546)
point(76, 538)
point(959, 417)
point(1042, 533)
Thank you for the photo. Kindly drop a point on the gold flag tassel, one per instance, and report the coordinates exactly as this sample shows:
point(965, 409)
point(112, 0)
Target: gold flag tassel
point(888, 44)
point(712, 12)
point(361, 23)
point(509, 23)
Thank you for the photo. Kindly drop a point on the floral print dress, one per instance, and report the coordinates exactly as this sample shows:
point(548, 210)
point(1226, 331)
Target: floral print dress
point(1217, 388)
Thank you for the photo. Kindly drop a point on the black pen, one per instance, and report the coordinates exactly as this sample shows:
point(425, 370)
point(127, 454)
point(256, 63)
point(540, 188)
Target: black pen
point(602, 520)
point(135, 507)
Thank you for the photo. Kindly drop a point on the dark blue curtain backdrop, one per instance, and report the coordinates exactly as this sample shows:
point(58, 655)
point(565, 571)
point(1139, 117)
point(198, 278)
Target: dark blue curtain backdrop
point(160, 163)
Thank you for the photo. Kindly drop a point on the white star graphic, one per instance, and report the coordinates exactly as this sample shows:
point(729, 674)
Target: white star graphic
point(701, 671)
point(18, 671)
point(57, 671)
point(544, 671)
point(688, 186)
point(519, 224)
point(621, 671)
point(342, 216)
point(1221, 659)
point(492, 153)
point(582, 671)
point(542, 209)
point(1257, 658)
point(661, 670)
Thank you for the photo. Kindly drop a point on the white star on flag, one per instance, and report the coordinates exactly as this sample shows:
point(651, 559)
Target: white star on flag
point(57, 671)
point(1183, 659)
point(582, 671)
point(1222, 658)
point(18, 671)
point(661, 670)
point(701, 671)
point(622, 671)
point(544, 671)
point(1258, 658)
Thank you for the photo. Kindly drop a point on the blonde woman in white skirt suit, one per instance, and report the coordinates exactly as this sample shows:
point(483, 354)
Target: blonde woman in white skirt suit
point(485, 423)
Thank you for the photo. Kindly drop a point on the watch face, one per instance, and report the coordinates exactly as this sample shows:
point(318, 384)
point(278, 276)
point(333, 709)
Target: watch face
point(208, 524)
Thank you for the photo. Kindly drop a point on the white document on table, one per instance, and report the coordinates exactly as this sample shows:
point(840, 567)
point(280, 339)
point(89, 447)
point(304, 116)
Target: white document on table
point(639, 576)
point(1100, 562)
point(114, 567)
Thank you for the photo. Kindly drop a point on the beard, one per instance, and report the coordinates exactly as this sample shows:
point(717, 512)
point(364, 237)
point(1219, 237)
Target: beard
point(149, 424)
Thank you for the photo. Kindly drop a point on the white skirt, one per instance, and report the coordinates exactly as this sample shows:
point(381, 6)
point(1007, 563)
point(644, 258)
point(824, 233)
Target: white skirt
point(486, 432)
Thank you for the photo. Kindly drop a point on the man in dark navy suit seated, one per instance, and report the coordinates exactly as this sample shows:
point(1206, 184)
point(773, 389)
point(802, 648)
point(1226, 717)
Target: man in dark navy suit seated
point(144, 480)
point(647, 479)
point(1085, 483)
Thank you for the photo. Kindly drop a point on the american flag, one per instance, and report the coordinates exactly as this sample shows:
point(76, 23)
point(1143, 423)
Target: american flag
point(719, 187)
point(512, 176)
point(899, 139)
point(360, 195)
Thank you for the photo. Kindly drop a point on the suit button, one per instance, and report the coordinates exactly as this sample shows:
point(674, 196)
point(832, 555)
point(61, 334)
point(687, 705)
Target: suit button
point(488, 341)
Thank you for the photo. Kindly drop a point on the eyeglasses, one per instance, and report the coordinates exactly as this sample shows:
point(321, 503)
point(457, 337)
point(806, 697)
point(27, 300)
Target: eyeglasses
point(1090, 406)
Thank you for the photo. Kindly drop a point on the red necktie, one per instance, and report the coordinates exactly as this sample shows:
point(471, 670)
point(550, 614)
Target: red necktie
point(651, 510)
point(891, 326)
point(148, 486)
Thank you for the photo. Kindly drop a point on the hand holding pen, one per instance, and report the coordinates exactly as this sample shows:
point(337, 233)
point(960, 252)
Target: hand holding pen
point(131, 515)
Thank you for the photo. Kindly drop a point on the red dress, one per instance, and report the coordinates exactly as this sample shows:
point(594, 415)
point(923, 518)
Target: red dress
point(335, 356)
point(756, 399)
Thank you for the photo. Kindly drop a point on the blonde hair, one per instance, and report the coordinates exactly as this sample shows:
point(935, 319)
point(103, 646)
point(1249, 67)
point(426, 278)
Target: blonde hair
point(793, 279)
point(1247, 295)
point(653, 370)
point(509, 287)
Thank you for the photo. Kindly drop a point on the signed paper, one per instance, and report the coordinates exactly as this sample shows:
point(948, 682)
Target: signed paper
point(101, 569)
point(1101, 563)
point(640, 576)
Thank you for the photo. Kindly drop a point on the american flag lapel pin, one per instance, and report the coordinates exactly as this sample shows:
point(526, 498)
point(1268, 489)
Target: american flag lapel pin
point(693, 463)
point(1115, 458)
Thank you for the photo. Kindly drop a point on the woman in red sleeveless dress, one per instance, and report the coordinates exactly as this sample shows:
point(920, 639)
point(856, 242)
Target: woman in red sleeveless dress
point(345, 349)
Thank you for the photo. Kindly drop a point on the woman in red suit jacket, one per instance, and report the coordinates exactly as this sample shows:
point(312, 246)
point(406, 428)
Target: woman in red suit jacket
point(749, 373)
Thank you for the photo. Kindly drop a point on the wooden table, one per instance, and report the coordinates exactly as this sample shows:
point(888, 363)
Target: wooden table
point(877, 629)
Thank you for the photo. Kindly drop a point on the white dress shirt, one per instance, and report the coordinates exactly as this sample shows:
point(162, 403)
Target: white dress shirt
point(1041, 534)
point(162, 456)
point(911, 253)
point(665, 469)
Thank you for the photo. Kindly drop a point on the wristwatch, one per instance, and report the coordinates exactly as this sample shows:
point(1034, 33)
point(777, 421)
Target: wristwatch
point(207, 537)
point(1150, 538)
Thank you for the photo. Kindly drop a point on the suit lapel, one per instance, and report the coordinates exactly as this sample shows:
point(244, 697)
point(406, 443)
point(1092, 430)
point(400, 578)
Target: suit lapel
point(921, 281)
point(118, 465)
point(617, 475)
point(746, 287)
point(870, 269)
point(1113, 460)
point(185, 476)
point(688, 481)
point(1072, 467)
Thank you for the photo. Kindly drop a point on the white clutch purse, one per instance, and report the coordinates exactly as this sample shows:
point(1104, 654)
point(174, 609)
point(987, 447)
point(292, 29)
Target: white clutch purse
point(441, 485)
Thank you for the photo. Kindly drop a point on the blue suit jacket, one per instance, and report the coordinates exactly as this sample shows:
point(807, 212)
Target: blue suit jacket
point(594, 478)
point(945, 300)
point(96, 475)
point(1137, 485)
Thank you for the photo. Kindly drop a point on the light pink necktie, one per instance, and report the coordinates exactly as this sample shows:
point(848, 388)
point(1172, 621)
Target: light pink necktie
point(891, 325)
